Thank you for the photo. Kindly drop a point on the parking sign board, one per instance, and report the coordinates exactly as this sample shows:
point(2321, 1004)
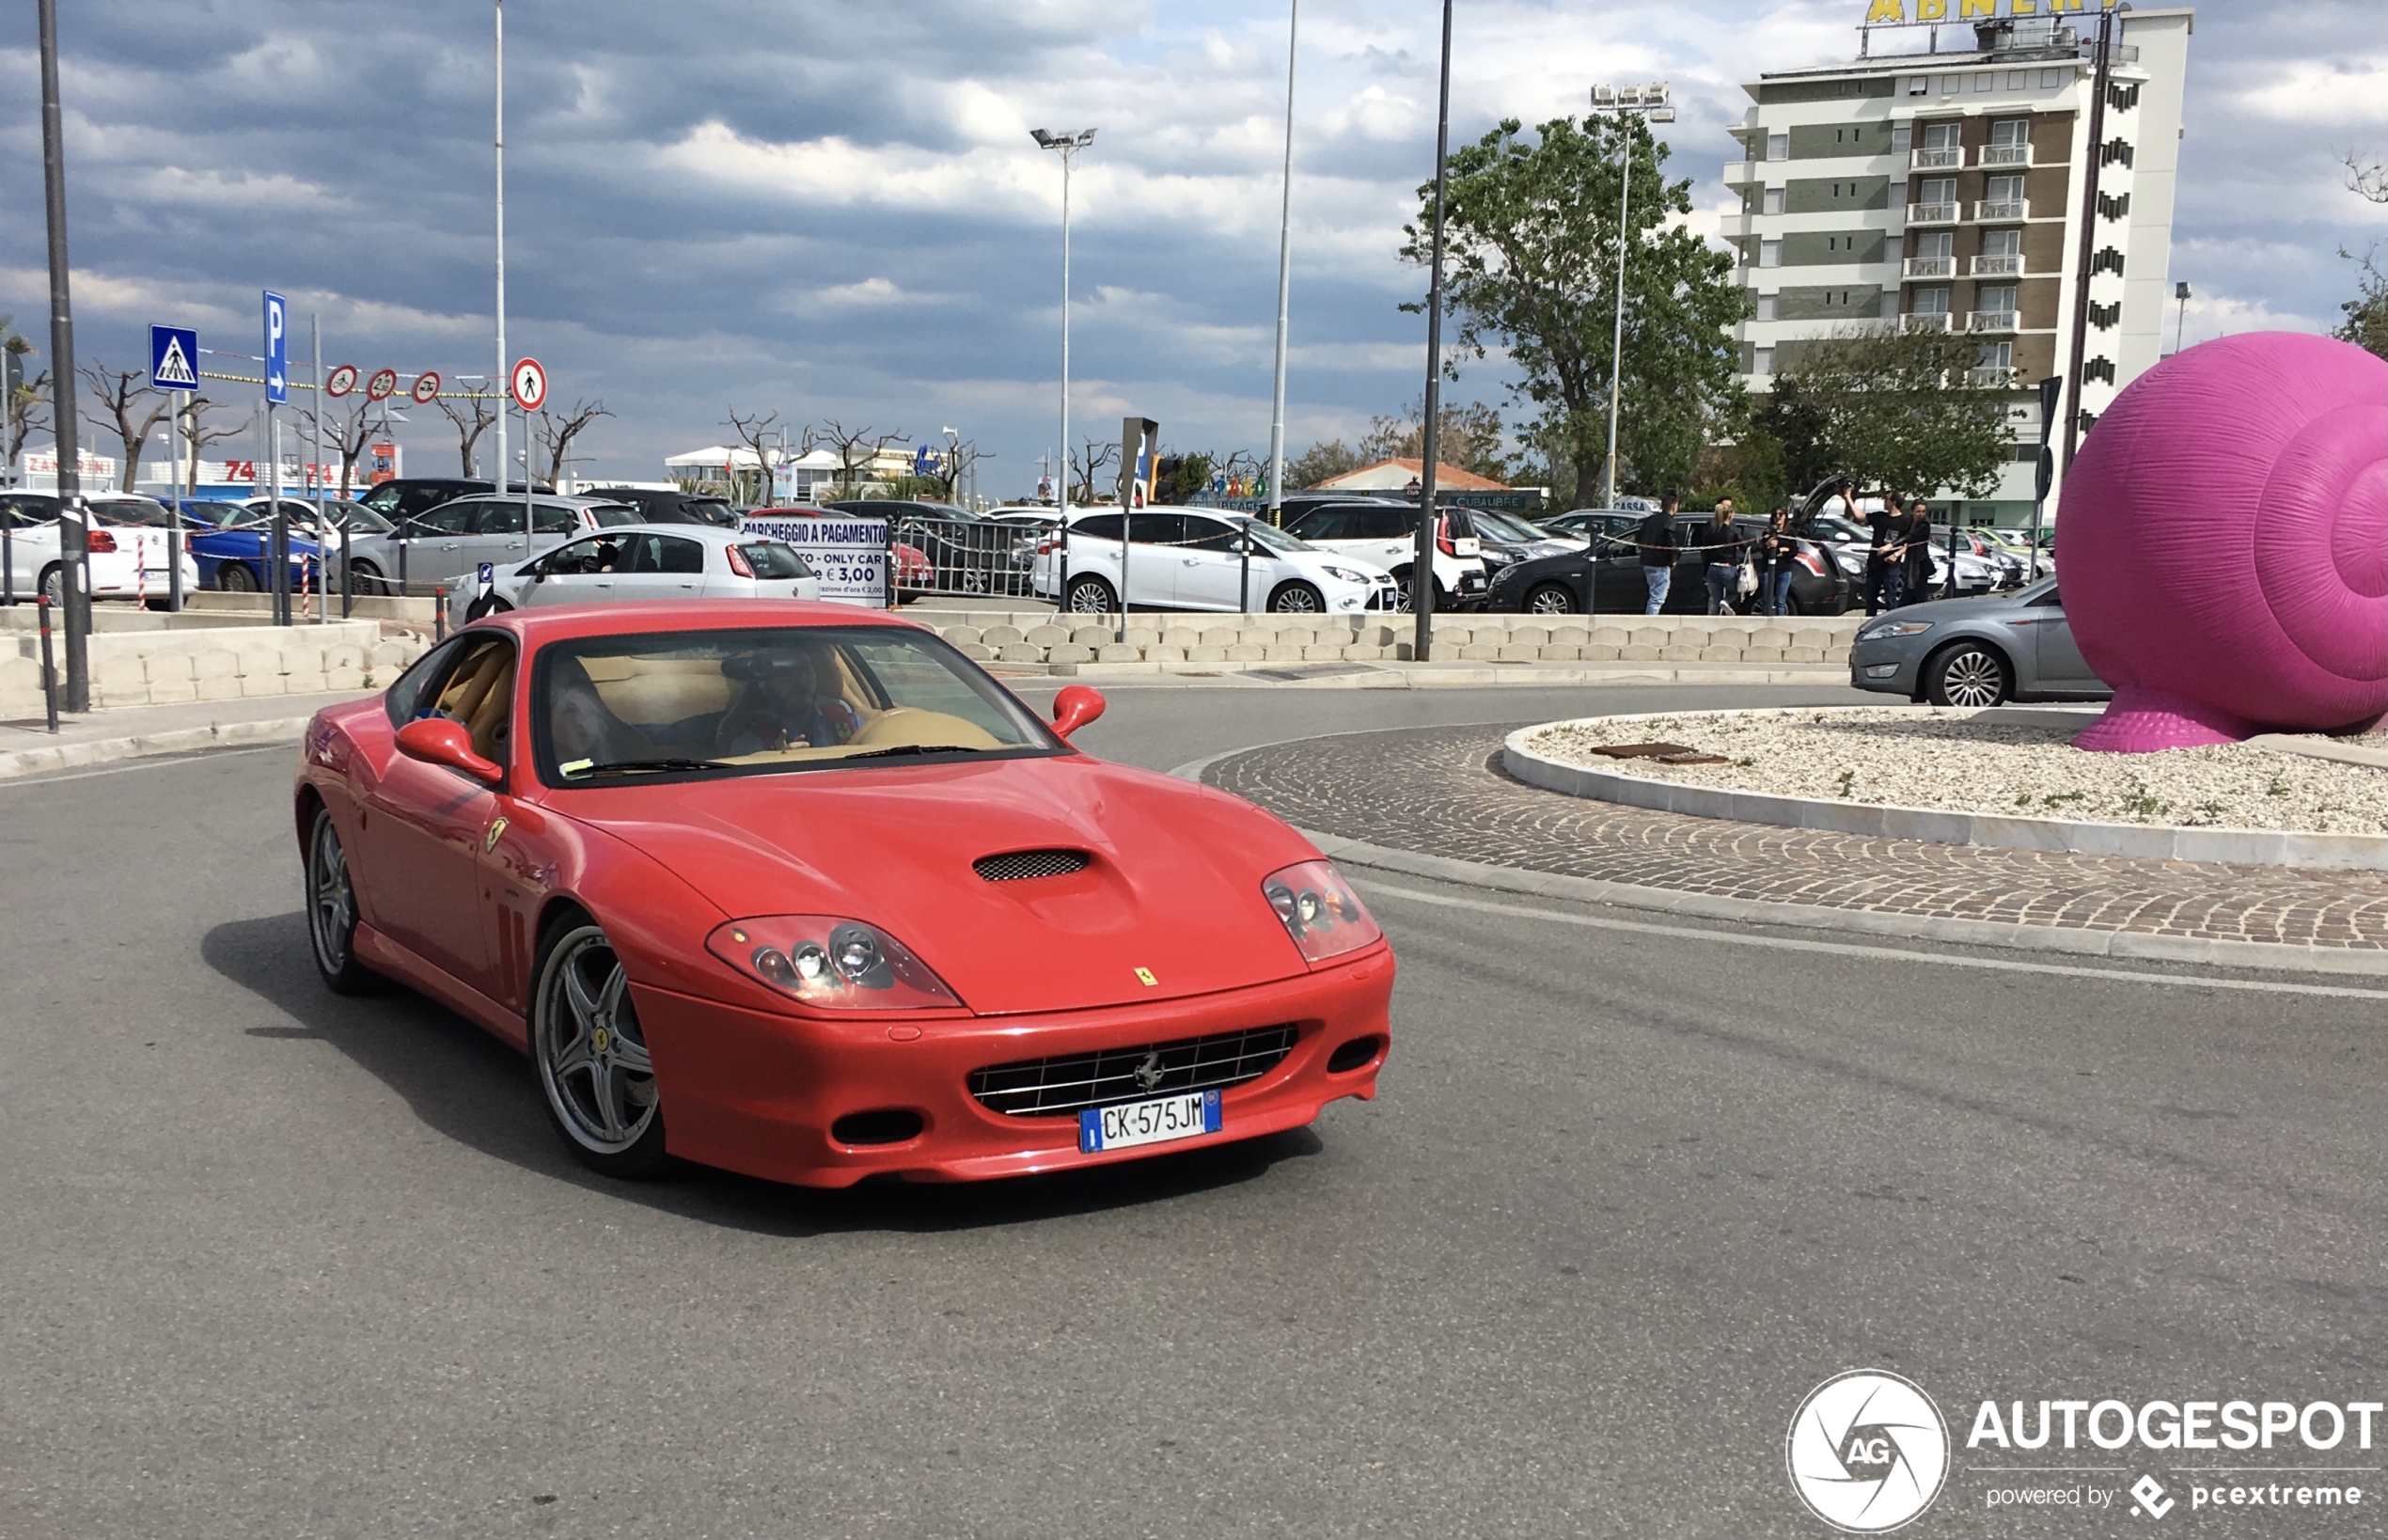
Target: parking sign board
point(277, 350)
point(848, 555)
point(174, 358)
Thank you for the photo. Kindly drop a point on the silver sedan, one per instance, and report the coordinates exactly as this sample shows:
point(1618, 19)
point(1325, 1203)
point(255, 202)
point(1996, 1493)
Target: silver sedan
point(645, 561)
point(1976, 652)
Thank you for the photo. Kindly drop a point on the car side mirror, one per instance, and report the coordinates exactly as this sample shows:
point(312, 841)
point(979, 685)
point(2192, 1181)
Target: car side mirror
point(444, 741)
point(1074, 707)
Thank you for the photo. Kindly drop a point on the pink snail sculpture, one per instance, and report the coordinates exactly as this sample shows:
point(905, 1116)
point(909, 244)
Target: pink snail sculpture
point(2223, 546)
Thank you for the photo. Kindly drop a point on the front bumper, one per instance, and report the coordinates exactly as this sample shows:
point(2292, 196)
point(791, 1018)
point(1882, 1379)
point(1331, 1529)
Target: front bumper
point(1890, 667)
point(759, 1093)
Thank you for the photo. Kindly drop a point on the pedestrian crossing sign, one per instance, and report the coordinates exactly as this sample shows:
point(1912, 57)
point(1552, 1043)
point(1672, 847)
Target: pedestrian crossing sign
point(174, 358)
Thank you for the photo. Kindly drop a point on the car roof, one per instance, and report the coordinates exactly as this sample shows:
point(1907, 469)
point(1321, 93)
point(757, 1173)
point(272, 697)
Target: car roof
point(569, 623)
point(713, 534)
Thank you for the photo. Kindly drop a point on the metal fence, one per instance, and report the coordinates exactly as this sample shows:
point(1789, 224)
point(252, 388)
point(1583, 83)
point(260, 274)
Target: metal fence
point(973, 558)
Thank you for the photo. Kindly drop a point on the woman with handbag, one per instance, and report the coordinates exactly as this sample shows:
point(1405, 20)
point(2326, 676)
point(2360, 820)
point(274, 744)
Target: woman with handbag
point(1781, 552)
point(1720, 549)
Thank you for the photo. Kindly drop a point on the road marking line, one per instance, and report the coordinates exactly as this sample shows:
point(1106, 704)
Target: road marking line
point(147, 763)
point(1843, 949)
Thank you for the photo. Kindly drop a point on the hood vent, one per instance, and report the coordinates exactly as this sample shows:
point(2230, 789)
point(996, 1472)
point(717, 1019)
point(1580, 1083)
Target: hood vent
point(1021, 865)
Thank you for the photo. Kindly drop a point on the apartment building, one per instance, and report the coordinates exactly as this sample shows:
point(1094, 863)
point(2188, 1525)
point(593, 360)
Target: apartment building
point(1938, 181)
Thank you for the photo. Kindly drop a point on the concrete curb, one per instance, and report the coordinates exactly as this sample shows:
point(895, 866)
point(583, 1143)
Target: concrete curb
point(2275, 957)
point(2237, 847)
point(1428, 676)
point(75, 756)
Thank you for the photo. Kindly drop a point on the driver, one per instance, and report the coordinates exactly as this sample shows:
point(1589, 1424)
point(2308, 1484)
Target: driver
point(786, 704)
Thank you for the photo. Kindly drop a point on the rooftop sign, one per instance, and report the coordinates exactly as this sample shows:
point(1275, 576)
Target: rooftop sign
point(1894, 12)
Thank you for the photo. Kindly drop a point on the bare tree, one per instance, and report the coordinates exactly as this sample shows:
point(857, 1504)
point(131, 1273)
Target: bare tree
point(958, 461)
point(1088, 464)
point(203, 433)
point(125, 402)
point(469, 425)
point(2368, 178)
point(557, 431)
point(349, 431)
point(29, 406)
point(755, 433)
point(855, 447)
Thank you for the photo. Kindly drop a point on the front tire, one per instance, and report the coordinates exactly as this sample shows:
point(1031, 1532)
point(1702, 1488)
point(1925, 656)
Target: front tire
point(1296, 599)
point(593, 1059)
point(331, 910)
point(235, 577)
point(1089, 596)
point(488, 603)
point(366, 578)
point(1551, 599)
point(1970, 675)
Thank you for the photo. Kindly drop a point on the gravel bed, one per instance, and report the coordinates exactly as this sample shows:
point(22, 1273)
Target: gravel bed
point(1992, 762)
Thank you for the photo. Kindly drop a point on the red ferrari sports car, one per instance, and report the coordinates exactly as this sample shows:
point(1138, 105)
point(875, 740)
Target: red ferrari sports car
point(801, 891)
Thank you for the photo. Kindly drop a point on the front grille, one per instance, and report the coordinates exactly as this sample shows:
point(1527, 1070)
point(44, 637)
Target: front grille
point(1020, 865)
point(1043, 1088)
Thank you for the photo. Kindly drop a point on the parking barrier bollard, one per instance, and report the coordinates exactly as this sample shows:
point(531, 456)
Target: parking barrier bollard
point(49, 668)
point(439, 614)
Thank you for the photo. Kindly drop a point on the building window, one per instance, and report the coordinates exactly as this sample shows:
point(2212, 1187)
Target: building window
point(1999, 356)
point(2052, 79)
point(1772, 202)
point(1762, 361)
point(1996, 299)
point(2000, 242)
point(1919, 84)
point(1766, 306)
point(1931, 302)
point(1769, 253)
point(1778, 146)
point(2017, 80)
point(1899, 135)
point(1936, 190)
point(1985, 81)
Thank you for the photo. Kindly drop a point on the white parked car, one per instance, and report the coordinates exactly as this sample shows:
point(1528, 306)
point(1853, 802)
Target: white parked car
point(1194, 559)
point(127, 562)
point(1385, 535)
point(447, 545)
point(645, 561)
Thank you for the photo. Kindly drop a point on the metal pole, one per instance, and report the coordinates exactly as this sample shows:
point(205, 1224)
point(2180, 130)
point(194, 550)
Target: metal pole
point(1617, 342)
point(2089, 235)
point(281, 521)
point(1421, 571)
point(315, 474)
point(1061, 584)
point(1284, 297)
point(49, 668)
point(73, 548)
point(173, 520)
point(505, 369)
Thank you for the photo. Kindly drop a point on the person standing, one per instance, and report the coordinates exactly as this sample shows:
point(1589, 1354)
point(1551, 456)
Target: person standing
point(1916, 559)
point(1720, 547)
point(1882, 574)
point(1655, 538)
point(1778, 552)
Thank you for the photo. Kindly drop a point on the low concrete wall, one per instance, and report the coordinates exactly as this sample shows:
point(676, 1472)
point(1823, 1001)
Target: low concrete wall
point(2248, 847)
point(224, 663)
point(1165, 639)
point(364, 606)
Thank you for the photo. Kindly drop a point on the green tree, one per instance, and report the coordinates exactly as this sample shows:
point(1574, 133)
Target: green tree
point(1796, 424)
point(2366, 322)
point(1471, 439)
point(1531, 246)
point(1906, 409)
point(1320, 461)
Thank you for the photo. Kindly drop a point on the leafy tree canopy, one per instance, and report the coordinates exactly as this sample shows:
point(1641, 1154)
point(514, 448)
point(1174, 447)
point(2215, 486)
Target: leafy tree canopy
point(1897, 408)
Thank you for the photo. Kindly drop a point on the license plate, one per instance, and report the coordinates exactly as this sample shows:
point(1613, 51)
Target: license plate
point(1156, 1121)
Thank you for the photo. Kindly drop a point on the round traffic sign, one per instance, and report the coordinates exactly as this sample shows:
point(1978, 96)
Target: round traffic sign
point(426, 390)
point(530, 384)
point(379, 388)
point(341, 381)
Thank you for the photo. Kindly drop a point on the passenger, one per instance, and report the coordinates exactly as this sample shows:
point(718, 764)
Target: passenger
point(786, 704)
point(579, 726)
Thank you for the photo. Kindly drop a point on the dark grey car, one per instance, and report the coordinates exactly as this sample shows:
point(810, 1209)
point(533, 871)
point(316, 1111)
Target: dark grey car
point(1976, 652)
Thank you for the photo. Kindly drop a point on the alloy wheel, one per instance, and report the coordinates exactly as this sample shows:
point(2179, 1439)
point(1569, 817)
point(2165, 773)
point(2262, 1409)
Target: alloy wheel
point(593, 1058)
point(1972, 679)
point(331, 899)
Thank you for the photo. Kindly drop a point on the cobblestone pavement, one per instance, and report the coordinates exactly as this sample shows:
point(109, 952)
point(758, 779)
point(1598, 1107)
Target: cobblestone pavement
point(1442, 791)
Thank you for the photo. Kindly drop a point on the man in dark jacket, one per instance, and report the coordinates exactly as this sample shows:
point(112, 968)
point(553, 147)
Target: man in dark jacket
point(1883, 570)
point(1917, 571)
point(1656, 536)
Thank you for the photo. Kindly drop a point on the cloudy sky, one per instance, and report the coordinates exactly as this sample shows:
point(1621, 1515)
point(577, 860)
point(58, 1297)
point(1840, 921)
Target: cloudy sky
point(834, 210)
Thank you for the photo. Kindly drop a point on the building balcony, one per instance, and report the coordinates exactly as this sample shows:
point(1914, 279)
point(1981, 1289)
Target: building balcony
point(1740, 173)
point(1935, 160)
point(1989, 212)
point(1932, 213)
point(1991, 321)
point(1989, 375)
point(1997, 267)
point(1930, 267)
point(1924, 321)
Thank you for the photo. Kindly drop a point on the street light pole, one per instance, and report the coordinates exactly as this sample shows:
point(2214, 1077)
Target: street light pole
point(73, 547)
point(2180, 323)
point(1651, 102)
point(1066, 144)
point(1284, 289)
point(505, 369)
point(1422, 567)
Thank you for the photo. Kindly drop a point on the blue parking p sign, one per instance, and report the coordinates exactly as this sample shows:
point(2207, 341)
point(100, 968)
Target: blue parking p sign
point(277, 350)
point(174, 358)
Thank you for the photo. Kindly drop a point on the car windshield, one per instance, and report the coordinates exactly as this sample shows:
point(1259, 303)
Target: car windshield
point(1503, 526)
point(770, 560)
point(607, 710)
point(614, 515)
point(1274, 539)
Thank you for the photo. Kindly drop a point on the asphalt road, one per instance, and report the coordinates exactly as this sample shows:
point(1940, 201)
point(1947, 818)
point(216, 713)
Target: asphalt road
point(273, 1263)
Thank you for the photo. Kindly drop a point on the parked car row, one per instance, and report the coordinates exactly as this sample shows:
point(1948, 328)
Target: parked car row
point(1195, 558)
point(644, 561)
point(126, 560)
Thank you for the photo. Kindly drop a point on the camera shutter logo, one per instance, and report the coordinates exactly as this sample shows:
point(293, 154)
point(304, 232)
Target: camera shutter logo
point(1867, 1451)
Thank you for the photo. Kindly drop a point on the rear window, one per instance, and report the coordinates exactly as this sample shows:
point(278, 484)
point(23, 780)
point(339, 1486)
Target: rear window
point(614, 515)
point(771, 560)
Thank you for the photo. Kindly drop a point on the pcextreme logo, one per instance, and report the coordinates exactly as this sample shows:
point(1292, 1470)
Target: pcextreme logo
point(1867, 1451)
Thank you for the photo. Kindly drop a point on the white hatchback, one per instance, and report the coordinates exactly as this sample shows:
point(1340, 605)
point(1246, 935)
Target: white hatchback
point(1193, 559)
point(645, 561)
point(126, 561)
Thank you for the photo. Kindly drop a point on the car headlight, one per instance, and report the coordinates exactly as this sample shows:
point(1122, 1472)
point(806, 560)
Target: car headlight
point(1894, 628)
point(1346, 574)
point(831, 963)
point(1319, 910)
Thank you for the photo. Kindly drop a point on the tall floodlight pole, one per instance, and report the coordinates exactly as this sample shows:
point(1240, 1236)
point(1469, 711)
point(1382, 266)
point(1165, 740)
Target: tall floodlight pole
point(1650, 101)
point(1066, 144)
point(72, 546)
point(505, 368)
point(1422, 567)
point(1284, 297)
